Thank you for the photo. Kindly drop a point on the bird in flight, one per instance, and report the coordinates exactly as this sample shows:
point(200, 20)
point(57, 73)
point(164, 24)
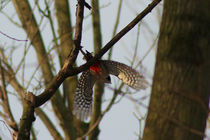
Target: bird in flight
point(100, 71)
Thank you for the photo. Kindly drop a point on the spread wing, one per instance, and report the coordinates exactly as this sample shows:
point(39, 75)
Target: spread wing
point(83, 96)
point(125, 73)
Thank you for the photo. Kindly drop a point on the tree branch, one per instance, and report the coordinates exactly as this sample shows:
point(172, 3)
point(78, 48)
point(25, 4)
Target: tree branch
point(69, 70)
point(115, 26)
point(27, 117)
point(9, 76)
point(65, 31)
point(5, 101)
point(115, 39)
point(50, 126)
point(99, 87)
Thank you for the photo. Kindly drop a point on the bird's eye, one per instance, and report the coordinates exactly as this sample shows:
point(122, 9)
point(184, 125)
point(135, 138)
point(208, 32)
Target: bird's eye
point(108, 78)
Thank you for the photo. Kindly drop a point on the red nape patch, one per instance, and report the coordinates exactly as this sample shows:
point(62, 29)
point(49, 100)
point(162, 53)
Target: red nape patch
point(95, 68)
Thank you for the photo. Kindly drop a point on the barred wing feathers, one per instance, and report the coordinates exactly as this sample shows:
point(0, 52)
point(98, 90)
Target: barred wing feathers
point(83, 96)
point(125, 73)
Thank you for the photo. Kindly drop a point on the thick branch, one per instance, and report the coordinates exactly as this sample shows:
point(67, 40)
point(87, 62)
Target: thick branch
point(64, 28)
point(10, 78)
point(69, 70)
point(27, 117)
point(116, 38)
point(30, 26)
point(66, 39)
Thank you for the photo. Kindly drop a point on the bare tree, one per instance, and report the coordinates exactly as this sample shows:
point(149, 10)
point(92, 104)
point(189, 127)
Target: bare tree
point(66, 46)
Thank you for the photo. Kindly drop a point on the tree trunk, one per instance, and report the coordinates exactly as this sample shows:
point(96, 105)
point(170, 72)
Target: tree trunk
point(99, 87)
point(180, 94)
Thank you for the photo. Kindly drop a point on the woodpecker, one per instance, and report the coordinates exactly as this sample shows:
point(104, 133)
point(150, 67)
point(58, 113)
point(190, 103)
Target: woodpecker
point(100, 71)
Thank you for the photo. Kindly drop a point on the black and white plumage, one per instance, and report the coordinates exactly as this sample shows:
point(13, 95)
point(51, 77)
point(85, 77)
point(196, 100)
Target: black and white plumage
point(100, 72)
point(83, 95)
point(125, 73)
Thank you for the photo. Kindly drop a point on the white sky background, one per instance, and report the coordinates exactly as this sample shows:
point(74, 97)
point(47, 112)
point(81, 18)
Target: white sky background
point(120, 122)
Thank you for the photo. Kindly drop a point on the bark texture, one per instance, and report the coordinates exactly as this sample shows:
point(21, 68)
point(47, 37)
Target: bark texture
point(180, 94)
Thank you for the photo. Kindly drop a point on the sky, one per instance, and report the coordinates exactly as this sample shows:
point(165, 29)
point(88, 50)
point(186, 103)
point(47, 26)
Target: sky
point(120, 122)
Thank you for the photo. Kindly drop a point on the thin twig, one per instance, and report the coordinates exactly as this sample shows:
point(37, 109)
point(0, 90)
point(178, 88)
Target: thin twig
point(116, 38)
point(12, 37)
point(4, 98)
point(68, 66)
point(87, 5)
point(7, 127)
point(91, 128)
point(115, 26)
point(137, 44)
point(69, 70)
point(177, 122)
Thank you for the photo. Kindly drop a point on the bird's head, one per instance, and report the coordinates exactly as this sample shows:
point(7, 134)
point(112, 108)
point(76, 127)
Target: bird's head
point(100, 72)
point(87, 56)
